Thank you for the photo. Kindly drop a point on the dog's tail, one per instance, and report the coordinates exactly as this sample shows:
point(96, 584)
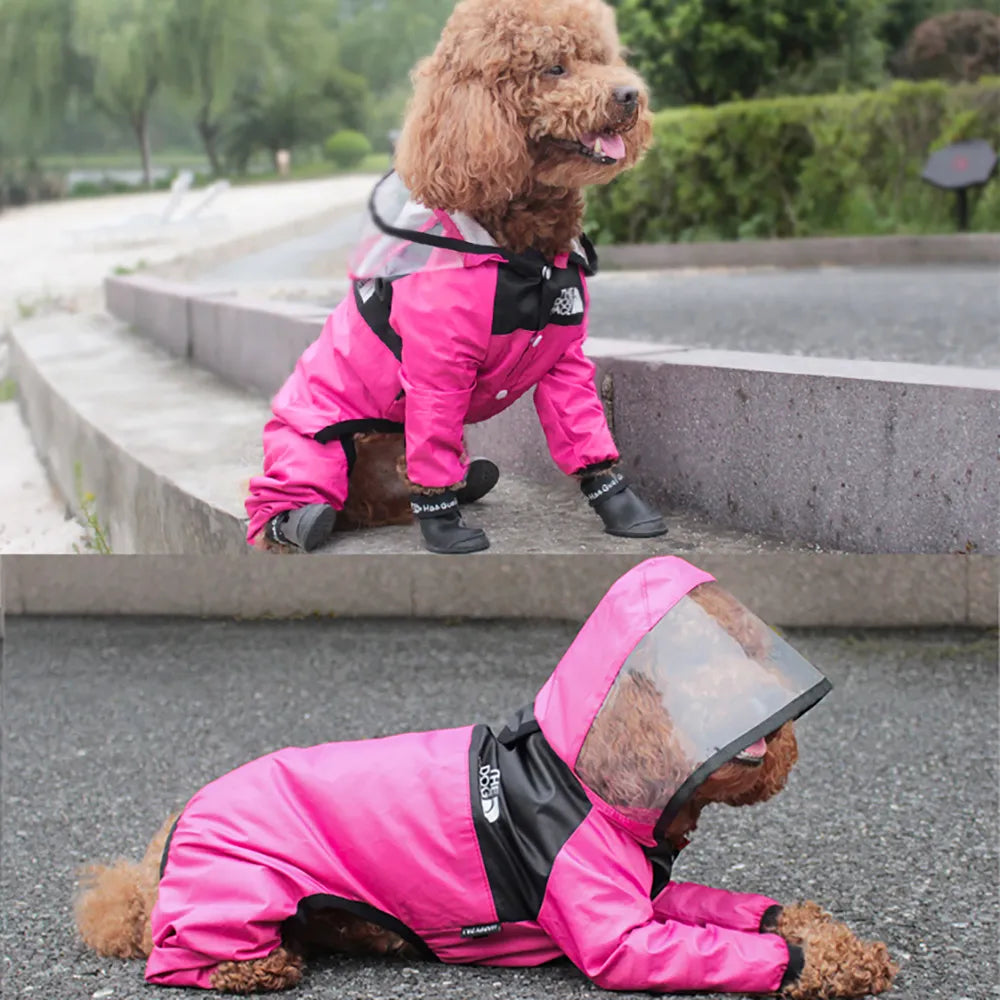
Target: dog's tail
point(115, 901)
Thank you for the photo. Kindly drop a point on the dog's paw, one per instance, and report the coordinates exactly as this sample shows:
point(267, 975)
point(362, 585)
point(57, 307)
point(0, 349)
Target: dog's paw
point(837, 963)
point(796, 919)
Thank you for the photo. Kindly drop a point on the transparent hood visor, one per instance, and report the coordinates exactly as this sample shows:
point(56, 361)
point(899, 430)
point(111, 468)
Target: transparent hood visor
point(706, 682)
point(401, 236)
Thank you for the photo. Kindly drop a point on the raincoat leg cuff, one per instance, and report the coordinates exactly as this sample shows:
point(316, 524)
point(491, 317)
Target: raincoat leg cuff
point(796, 963)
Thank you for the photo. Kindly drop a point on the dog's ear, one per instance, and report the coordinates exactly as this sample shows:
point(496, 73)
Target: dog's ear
point(461, 148)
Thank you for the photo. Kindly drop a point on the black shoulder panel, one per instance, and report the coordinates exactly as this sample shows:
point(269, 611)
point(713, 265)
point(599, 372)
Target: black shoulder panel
point(374, 301)
point(526, 803)
point(530, 299)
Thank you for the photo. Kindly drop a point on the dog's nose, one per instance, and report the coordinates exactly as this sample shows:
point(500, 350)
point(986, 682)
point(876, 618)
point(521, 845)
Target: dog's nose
point(628, 96)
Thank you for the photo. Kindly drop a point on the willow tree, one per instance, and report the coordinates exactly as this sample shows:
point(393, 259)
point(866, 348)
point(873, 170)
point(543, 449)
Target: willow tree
point(212, 46)
point(125, 43)
point(39, 68)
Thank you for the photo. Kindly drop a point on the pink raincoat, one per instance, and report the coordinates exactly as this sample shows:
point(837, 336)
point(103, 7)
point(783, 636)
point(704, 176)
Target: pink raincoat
point(496, 850)
point(442, 329)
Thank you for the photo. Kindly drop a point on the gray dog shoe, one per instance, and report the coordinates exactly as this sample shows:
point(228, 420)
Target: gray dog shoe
point(306, 528)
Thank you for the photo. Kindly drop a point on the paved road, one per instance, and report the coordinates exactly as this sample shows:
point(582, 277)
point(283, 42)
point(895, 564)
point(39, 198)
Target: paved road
point(890, 819)
point(931, 315)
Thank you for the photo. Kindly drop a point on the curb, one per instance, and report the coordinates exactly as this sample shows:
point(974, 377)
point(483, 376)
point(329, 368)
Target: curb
point(808, 252)
point(856, 456)
point(787, 589)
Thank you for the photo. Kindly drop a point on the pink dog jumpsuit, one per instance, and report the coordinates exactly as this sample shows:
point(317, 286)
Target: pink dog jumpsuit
point(500, 850)
point(442, 329)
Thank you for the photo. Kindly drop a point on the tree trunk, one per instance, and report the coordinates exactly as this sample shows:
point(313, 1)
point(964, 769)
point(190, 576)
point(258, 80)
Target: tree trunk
point(209, 132)
point(140, 125)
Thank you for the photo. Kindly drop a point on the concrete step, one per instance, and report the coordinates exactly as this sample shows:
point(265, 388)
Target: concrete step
point(167, 448)
point(164, 448)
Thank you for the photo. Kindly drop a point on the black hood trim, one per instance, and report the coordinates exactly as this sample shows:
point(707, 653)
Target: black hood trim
point(792, 710)
point(529, 262)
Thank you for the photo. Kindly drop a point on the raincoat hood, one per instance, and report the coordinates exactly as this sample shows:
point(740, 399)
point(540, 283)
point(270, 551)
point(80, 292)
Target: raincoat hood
point(401, 237)
point(668, 679)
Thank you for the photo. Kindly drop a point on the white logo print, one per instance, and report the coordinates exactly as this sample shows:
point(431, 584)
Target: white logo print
point(569, 303)
point(489, 792)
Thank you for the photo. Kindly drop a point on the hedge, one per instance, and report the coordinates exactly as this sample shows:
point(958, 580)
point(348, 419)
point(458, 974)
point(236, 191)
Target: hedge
point(347, 148)
point(838, 164)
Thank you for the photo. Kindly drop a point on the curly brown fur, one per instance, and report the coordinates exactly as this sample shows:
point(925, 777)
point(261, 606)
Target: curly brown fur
point(631, 756)
point(748, 630)
point(278, 971)
point(336, 930)
point(491, 132)
point(113, 905)
point(375, 495)
point(412, 487)
point(837, 963)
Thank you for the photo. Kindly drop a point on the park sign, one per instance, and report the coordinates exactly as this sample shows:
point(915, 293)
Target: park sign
point(957, 168)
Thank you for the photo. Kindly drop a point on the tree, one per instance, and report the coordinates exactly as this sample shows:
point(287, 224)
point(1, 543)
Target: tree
point(125, 43)
point(298, 93)
point(210, 45)
point(39, 68)
point(709, 51)
point(961, 45)
point(900, 17)
point(382, 40)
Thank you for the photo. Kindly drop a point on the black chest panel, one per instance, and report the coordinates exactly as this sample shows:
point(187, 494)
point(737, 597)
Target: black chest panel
point(532, 299)
point(526, 804)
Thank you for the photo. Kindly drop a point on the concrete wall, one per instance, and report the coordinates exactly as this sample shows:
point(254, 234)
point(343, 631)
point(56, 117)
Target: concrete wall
point(857, 456)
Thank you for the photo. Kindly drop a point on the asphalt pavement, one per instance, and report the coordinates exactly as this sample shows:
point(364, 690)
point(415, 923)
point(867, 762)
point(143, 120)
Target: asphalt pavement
point(890, 819)
point(928, 314)
point(938, 315)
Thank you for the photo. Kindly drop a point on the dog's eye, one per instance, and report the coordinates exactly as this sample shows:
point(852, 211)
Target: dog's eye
point(556, 71)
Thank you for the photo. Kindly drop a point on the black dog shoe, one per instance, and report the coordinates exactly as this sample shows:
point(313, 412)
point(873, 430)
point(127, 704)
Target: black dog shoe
point(622, 512)
point(481, 476)
point(306, 528)
point(442, 526)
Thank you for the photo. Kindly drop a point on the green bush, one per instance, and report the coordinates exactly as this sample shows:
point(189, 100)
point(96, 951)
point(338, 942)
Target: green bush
point(347, 148)
point(839, 164)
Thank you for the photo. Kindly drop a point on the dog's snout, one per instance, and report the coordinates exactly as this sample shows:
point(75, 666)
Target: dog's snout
point(627, 96)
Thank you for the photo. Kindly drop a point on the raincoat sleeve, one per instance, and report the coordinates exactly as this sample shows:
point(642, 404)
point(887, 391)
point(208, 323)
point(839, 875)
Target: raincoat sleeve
point(599, 913)
point(445, 333)
point(701, 905)
point(571, 413)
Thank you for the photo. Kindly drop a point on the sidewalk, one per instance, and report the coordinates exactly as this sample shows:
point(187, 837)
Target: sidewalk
point(56, 255)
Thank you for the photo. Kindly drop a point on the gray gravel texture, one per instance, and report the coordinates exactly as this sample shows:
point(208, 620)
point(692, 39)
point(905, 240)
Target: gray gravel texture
point(890, 820)
point(935, 315)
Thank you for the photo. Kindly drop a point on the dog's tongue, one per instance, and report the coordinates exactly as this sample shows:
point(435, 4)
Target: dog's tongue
point(755, 750)
point(612, 144)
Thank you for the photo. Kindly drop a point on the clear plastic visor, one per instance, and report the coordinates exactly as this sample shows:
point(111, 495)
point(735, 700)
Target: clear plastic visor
point(381, 254)
point(708, 681)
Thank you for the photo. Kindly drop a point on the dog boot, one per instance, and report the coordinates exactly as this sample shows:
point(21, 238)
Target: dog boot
point(306, 528)
point(442, 526)
point(622, 512)
point(481, 476)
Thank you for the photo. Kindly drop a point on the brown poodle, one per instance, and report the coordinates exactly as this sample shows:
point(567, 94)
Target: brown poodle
point(491, 132)
point(635, 737)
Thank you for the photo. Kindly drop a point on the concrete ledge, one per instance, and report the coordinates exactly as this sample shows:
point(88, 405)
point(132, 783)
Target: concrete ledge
point(786, 589)
point(858, 456)
point(843, 251)
point(854, 456)
point(166, 449)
